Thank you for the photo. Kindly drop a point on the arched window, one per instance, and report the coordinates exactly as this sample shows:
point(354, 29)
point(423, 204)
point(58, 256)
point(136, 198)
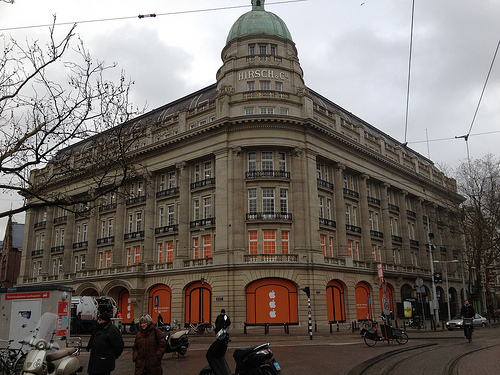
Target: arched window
point(335, 302)
point(272, 301)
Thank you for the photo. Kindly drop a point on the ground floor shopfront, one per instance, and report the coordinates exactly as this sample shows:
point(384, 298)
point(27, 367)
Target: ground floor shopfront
point(263, 295)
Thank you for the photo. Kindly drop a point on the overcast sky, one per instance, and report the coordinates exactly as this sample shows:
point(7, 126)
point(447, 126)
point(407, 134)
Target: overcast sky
point(355, 53)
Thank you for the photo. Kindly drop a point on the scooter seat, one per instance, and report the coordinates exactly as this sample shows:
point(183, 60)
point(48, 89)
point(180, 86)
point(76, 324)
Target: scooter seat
point(178, 335)
point(242, 352)
point(61, 353)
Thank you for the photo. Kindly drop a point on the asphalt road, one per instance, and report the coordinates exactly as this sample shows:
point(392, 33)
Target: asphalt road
point(345, 353)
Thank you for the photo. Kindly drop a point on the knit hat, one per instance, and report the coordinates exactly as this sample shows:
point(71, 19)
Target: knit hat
point(106, 316)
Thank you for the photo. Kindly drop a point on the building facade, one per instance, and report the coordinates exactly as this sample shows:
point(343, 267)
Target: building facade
point(10, 254)
point(252, 189)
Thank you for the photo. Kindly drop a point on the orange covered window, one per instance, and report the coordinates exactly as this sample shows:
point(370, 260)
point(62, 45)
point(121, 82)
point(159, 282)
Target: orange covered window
point(285, 243)
point(269, 242)
point(170, 251)
point(252, 242)
point(323, 245)
point(207, 247)
point(160, 252)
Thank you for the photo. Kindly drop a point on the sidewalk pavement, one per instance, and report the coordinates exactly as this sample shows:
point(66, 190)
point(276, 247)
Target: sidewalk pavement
point(278, 334)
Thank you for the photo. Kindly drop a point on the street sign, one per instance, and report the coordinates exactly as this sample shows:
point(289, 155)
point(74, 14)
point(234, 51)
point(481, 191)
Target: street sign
point(386, 304)
point(419, 282)
point(157, 300)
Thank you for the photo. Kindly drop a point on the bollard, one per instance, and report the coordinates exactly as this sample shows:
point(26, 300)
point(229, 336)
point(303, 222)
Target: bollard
point(315, 326)
point(338, 328)
point(245, 329)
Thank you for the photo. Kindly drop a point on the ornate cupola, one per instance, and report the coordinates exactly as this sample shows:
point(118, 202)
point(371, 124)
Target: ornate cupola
point(260, 63)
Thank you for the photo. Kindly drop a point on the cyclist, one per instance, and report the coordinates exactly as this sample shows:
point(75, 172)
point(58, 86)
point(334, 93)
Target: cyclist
point(467, 312)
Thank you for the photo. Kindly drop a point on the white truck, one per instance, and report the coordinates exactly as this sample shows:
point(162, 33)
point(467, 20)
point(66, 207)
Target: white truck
point(89, 308)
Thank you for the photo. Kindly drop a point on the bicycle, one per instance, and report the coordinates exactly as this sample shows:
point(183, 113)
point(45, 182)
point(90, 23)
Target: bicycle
point(202, 327)
point(11, 360)
point(468, 328)
point(371, 335)
point(365, 323)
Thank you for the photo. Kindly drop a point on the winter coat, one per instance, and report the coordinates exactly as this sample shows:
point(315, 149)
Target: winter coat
point(222, 321)
point(105, 345)
point(467, 311)
point(148, 350)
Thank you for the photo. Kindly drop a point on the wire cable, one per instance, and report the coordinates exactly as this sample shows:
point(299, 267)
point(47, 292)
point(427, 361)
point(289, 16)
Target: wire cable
point(142, 16)
point(409, 70)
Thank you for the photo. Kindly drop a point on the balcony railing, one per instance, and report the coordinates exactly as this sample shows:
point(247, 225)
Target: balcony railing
point(36, 253)
point(267, 174)
point(168, 192)
point(270, 258)
point(374, 201)
point(203, 183)
point(167, 229)
point(60, 219)
point(105, 240)
point(40, 224)
point(57, 249)
point(414, 243)
point(266, 94)
point(132, 235)
point(327, 222)
point(353, 228)
point(397, 239)
point(351, 193)
point(325, 184)
point(80, 245)
point(135, 200)
point(202, 223)
point(411, 213)
point(108, 207)
point(198, 262)
point(393, 207)
point(269, 216)
point(374, 233)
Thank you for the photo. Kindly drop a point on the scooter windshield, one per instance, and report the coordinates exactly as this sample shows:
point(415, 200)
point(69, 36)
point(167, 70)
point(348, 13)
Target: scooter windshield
point(45, 328)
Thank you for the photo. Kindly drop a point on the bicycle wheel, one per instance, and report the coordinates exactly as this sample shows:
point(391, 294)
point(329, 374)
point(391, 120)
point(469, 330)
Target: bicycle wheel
point(369, 341)
point(402, 338)
point(18, 365)
point(209, 328)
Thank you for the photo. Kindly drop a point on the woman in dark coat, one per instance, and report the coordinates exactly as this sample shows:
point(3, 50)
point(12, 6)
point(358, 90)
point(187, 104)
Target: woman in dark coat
point(149, 348)
point(105, 345)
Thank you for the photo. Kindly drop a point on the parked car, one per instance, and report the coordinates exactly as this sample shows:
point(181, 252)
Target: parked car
point(457, 322)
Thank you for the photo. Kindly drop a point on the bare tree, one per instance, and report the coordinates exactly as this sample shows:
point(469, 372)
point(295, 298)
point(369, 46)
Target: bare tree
point(479, 183)
point(57, 111)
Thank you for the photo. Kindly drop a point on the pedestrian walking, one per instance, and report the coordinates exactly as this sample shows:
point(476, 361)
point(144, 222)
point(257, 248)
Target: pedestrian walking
point(222, 321)
point(105, 346)
point(149, 348)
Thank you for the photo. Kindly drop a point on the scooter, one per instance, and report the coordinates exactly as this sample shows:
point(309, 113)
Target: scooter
point(255, 360)
point(177, 342)
point(45, 357)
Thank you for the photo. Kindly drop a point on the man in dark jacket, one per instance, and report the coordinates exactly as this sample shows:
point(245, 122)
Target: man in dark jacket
point(222, 321)
point(105, 346)
point(467, 311)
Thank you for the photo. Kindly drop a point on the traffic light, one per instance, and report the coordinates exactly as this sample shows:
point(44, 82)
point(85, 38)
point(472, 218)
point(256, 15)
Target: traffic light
point(438, 278)
point(307, 291)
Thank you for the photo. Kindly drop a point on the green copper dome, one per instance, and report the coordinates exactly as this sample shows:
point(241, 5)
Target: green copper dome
point(259, 22)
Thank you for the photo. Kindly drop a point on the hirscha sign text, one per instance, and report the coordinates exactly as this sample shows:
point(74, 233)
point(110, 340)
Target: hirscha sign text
point(263, 73)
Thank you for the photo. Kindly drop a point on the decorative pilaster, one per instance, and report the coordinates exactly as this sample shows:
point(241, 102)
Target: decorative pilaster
point(340, 210)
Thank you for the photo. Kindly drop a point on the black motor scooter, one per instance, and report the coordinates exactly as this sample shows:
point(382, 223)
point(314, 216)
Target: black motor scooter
point(177, 342)
point(255, 360)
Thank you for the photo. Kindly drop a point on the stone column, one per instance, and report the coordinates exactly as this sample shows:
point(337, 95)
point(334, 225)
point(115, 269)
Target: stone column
point(184, 244)
point(119, 228)
point(386, 224)
point(405, 235)
point(47, 242)
point(149, 220)
point(237, 234)
point(340, 210)
point(366, 240)
point(93, 229)
point(423, 260)
point(222, 208)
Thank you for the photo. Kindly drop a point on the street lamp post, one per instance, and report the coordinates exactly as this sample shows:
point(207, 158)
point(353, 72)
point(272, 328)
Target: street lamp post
point(446, 277)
